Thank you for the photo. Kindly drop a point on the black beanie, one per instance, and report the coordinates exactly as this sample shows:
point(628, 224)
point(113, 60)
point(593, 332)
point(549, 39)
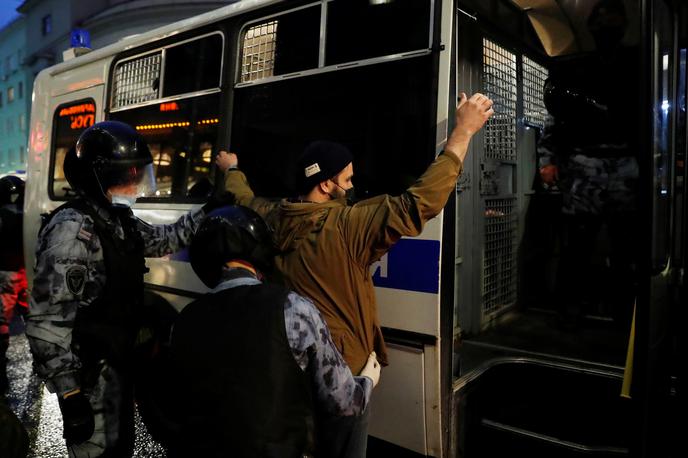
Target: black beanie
point(320, 161)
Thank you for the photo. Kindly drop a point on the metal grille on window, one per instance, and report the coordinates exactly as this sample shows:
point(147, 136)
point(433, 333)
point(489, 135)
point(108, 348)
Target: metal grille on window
point(258, 56)
point(499, 83)
point(137, 81)
point(499, 263)
point(534, 76)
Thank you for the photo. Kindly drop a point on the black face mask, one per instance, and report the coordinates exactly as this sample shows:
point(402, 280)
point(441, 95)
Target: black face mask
point(349, 194)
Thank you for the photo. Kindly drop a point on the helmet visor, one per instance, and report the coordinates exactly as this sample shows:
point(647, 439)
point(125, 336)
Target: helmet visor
point(135, 180)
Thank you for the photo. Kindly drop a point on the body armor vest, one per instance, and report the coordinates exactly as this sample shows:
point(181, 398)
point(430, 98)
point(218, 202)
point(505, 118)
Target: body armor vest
point(107, 327)
point(243, 394)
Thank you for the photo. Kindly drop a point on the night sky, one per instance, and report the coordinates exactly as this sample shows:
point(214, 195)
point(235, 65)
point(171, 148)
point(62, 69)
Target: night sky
point(8, 11)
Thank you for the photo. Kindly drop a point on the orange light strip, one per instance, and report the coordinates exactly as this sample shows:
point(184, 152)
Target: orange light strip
point(169, 125)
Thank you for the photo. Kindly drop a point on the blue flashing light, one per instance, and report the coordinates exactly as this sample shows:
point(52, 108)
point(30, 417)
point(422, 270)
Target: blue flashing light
point(80, 38)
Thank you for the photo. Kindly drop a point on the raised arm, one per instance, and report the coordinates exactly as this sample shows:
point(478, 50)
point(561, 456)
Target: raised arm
point(374, 225)
point(237, 184)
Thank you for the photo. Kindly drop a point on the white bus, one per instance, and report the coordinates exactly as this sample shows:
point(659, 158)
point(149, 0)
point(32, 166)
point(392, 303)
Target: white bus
point(478, 366)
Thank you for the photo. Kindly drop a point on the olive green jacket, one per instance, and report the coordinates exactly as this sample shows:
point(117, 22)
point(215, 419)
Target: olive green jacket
point(327, 249)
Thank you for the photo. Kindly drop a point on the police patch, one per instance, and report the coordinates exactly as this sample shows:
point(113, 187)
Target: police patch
point(76, 278)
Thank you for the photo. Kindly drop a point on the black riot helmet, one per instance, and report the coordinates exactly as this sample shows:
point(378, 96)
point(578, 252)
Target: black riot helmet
point(567, 101)
point(108, 155)
point(11, 190)
point(230, 233)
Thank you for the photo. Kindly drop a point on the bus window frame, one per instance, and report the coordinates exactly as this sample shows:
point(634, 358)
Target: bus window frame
point(322, 68)
point(162, 49)
point(53, 149)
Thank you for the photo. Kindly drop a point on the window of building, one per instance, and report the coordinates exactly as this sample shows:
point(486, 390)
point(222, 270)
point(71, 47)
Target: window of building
point(46, 24)
point(9, 126)
point(10, 156)
point(20, 89)
point(0, 99)
point(22, 122)
point(6, 67)
point(69, 121)
point(10, 94)
point(22, 155)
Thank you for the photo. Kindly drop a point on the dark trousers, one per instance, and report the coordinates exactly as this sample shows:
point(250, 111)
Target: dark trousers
point(343, 437)
point(578, 282)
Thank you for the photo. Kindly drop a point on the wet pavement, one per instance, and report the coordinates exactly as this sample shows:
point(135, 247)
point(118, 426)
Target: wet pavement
point(38, 410)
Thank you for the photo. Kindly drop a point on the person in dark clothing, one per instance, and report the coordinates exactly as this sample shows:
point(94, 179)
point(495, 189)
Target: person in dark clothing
point(12, 273)
point(14, 440)
point(589, 153)
point(328, 243)
point(254, 360)
point(88, 287)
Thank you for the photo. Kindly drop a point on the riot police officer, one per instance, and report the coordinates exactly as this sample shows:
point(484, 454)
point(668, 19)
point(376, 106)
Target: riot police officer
point(589, 152)
point(247, 355)
point(88, 286)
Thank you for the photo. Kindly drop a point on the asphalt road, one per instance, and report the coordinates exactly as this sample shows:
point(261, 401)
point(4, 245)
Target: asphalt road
point(38, 409)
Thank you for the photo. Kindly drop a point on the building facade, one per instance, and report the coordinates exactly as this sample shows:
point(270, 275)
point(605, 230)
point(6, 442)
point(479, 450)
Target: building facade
point(15, 97)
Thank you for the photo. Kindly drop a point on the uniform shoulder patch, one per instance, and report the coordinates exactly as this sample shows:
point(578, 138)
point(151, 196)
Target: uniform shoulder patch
point(76, 278)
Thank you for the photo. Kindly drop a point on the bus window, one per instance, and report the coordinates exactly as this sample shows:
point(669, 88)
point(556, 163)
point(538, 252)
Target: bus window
point(388, 135)
point(193, 66)
point(69, 121)
point(362, 29)
point(280, 45)
point(181, 135)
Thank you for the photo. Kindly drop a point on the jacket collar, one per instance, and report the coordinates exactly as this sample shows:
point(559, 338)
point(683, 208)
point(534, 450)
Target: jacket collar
point(233, 277)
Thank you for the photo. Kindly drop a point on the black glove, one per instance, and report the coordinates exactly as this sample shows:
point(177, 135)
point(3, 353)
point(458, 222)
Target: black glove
point(218, 199)
point(77, 417)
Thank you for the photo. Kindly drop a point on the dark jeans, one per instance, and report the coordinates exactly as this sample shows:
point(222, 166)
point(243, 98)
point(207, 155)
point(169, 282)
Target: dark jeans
point(578, 281)
point(343, 437)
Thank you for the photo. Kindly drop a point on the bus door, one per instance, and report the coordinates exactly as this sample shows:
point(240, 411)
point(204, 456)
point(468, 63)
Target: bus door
point(659, 375)
point(489, 199)
point(522, 379)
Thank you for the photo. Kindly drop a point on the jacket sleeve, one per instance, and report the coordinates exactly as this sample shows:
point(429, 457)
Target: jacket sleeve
point(237, 185)
point(337, 391)
point(373, 225)
point(162, 239)
point(66, 277)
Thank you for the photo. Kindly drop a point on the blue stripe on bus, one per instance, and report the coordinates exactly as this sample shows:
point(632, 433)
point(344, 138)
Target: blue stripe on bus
point(411, 265)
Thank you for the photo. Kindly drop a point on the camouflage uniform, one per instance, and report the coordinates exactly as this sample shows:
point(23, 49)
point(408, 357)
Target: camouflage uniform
point(598, 179)
point(336, 389)
point(69, 275)
point(594, 179)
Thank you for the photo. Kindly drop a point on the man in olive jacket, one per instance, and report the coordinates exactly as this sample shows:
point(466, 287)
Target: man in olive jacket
point(328, 245)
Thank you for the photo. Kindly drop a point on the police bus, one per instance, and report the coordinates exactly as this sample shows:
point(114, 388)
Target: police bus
point(509, 318)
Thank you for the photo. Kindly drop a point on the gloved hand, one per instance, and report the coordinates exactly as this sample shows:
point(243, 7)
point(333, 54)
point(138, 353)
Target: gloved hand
point(218, 199)
point(77, 418)
point(372, 369)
